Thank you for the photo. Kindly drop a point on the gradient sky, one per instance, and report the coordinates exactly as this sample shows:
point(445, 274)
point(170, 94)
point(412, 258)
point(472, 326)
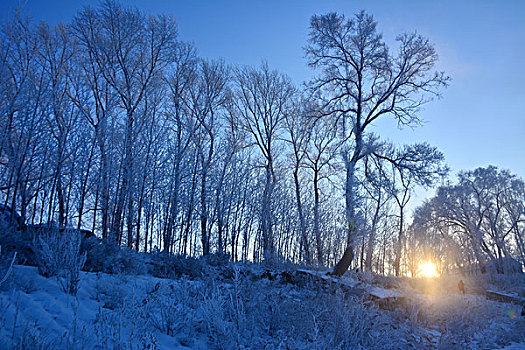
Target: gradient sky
point(479, 120)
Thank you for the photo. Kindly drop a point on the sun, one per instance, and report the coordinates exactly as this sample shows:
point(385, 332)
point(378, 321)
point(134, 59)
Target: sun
point(427, 269)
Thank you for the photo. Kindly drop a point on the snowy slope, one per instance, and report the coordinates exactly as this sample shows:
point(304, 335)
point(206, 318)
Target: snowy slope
point(36, 312)
point(244, 306)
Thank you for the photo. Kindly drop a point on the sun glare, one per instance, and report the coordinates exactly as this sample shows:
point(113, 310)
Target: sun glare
point(427, 269)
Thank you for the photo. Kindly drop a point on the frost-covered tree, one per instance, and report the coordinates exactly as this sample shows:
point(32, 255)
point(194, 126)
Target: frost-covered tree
point(361, 81)
point(23, 99)
point(263, 98)
point(207, 103)
point(298, 127)
point(478, 216)
point(130, 50)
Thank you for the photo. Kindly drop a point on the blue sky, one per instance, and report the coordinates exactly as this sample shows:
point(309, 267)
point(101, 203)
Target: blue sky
point(480, 119)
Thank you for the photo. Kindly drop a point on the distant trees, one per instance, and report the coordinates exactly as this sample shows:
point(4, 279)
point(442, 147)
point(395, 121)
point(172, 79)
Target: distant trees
point(320, 160)
point(360, 81)
point(480, 217)
point(298, 126)
point(418, 164)
point(22, 103)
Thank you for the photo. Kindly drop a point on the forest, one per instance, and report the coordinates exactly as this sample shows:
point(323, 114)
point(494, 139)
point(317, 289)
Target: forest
point(112, 124)
point(114, 127)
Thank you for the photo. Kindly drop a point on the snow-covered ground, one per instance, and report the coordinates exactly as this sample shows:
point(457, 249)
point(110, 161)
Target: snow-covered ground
point(242, 306)
point(106, 313)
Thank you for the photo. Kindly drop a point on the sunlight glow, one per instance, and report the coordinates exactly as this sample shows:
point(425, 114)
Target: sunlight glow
point(427, 269)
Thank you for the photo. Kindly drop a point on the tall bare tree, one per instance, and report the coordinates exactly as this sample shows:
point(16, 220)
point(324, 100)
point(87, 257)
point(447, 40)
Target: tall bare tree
point(262, 98)
point(298, 126)
point(130, 50)
point(360, 81)
point(207, 102)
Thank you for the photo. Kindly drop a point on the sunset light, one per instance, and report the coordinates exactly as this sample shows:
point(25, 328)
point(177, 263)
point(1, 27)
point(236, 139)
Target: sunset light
point(427, 270)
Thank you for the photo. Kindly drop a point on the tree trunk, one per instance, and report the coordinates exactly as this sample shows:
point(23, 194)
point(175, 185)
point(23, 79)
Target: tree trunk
point(304, 238)
point(372, 236)
point(400, 244)
point(342, 266)
point(266, 213)
point(84, 186)
point(317, 230)
point(104, 178)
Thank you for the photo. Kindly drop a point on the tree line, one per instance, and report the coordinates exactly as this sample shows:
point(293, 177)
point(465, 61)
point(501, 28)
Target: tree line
point(112, 123)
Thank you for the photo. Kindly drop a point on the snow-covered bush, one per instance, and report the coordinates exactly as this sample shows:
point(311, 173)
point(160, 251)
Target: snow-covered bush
point(58, 255)
point(126, 261)
point(165, 265)
point(248, 313)
point(347, 324)
point(167, 307)
point(514, 283)
point(20, 242)
point(98, 253)
point(107, 256)
point(216, 259)
point(107, 328)
point(31, 338)
point(218, 328)
point(225, 314)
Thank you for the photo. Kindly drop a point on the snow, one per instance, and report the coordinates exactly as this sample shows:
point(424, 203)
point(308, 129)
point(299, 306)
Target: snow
point(382, 293)
point(324, 275)
point(53, 314)
point(242, 309)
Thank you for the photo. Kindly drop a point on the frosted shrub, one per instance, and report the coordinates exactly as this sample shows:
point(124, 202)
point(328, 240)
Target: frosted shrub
point(33, 339)
point(107, 328)
point(237, 307)
point(112, 292)
point(166, 307)
point(164, 265)
point(224, 314)
point(126, 261)
point(58, 255)
point(349, 325)
point(107, 256)
point(101, 251)
point(213, 311)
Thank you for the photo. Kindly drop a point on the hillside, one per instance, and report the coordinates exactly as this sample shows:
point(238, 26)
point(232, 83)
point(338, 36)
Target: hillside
point(217, 304)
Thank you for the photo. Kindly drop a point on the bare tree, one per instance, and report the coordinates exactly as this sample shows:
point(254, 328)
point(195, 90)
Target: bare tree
point(360, 82)
point(262, 98)
point(376, 187)
point(298, 126)
point(96, 101)
point(206, 103)
point(320, 159)
point(55, 58)
point(23, 99)
point(477, 214)
point(180, 77)
point(130, 50)
point(418, 164)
